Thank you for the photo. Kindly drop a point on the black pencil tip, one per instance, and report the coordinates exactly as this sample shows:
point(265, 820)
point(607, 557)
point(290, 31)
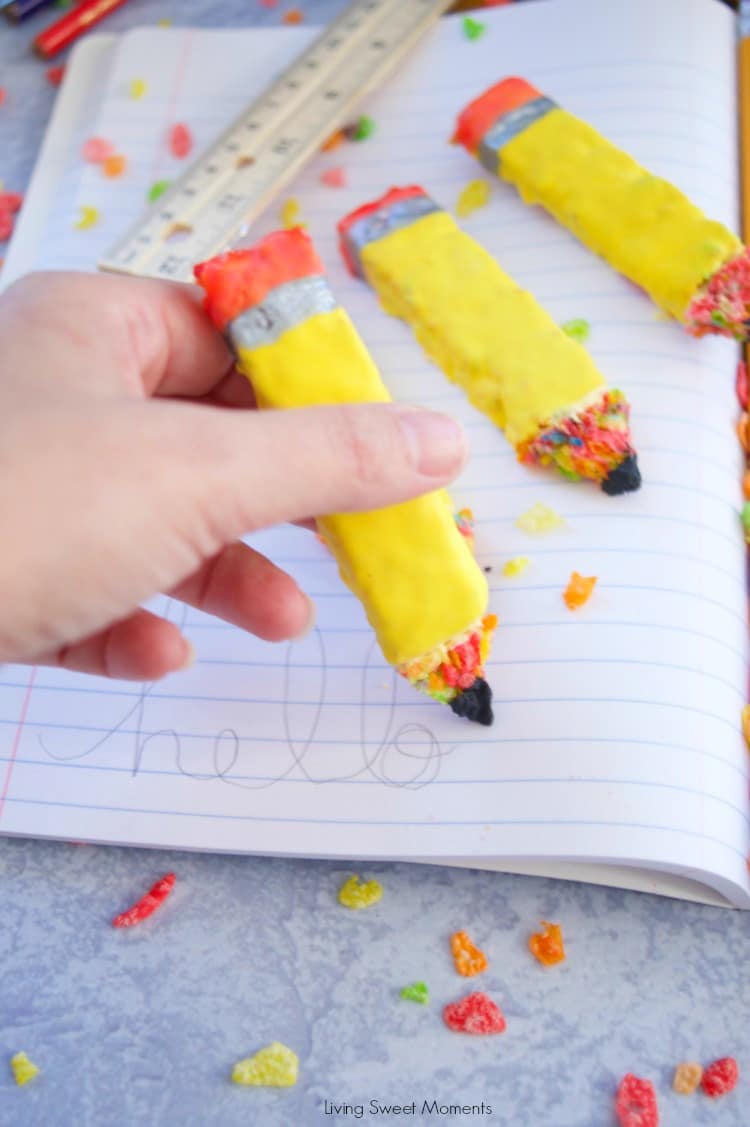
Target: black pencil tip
point(475, 703)
point(625, 478)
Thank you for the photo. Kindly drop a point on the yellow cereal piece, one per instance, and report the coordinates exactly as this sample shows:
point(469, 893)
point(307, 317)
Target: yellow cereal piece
point(687, 1077)
point(540, 518)
point(138, 88)
point(23, 1069)
point(359, 894)
point(164, 23)
point(290, 214)
point(276, 1066)
point(476, 194)
point(516, 566)
point(746, 724)
point(89, 218)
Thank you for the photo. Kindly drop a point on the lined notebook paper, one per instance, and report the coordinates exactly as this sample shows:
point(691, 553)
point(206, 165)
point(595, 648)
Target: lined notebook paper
point(616, 751)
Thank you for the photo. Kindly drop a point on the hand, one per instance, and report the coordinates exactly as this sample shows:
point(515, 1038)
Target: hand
point(131, 463)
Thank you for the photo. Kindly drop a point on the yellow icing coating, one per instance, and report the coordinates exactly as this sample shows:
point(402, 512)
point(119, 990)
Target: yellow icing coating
point(408, 564)
point(486, 333)
point(642, 225)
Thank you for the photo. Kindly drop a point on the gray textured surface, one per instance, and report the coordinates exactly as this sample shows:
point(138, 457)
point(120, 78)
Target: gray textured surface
point(142, 1027)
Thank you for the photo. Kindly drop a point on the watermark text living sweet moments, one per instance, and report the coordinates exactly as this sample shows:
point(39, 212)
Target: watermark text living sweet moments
point(374, 1108)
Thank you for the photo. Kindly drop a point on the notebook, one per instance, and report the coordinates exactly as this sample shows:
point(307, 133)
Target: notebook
point(616, 755)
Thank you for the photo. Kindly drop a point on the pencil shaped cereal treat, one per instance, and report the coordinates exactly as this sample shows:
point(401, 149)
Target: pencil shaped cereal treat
point(693, 267)
point(424, 593)
point(492, 338)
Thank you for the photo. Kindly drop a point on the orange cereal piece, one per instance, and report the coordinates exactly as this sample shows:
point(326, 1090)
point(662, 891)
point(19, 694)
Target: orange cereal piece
point(333, 141)
point(687, 1077)
point(114, 165)
point(469, 959)
point(746, 485)
point(292, 16)
point(547, 945)
point(743, 431)
point(579, 590)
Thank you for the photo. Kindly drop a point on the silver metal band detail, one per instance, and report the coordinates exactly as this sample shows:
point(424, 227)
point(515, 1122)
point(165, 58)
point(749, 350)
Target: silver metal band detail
point(282, 308)
point(384, 221)
point(509, 126)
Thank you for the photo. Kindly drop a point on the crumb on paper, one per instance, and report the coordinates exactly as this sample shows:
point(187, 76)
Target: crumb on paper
point(469, 960)
point(137, 88)
point(23, 1069)
point(740, 384)
point(114, 166)
point(476, 1014)
point(473, 29)
point(180, 140)
point(355, 893)
point(517, 566)
point(547, 945)
point(577, 329)
point(687, 1077)
point(89, 218)
point(474, 195)
point(579, 590)
point(3, 95)
point(334, 177)
point(275, 1066)
point(363, 128)
point(292, 16)
point(540, 518)
point(416, 992)
point(291, 214)
point(157, 190)
point(96, 150)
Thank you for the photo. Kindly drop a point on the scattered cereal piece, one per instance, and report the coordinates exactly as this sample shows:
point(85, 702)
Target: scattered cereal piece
point(6, 226)
point(547, 945)
point(148, 904)
point(89, 218)
point(743, 431)
point(469, 959)
point(473, 29)
point(163, 23)
point(290, 214)
point(579, 590)
point(740, 384)
point(746, 485)
point(157, 190)
point(359, 894)
point(476, 194)
point(276, 1066)
point(138, 88)
point(636, 1103)
point(539, 518)
point(465, 522)
point(687, 1077)
point(361, 130)
point(516, 566)
point(3, 95)
point(746, 724)
point(23, 1069)
point(720, 1077)
point(114, 166)
point(577, 329)
point(180, 141)
point(292, 16)
point(10, 201)
point(335, 139)
point(334, 177)
point(417, 992)
point(55, 75)
point(269, 3)
point(476, 1013)
point(97, 149)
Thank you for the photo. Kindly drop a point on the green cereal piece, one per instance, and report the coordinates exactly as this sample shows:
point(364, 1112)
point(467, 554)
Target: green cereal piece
point(364, 128)
point(745, 518)
point(577, 329)
point(417, 992)
point(157, 190)
point(473, 29)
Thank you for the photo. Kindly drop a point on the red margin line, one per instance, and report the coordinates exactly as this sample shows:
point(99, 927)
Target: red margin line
point(17, 739)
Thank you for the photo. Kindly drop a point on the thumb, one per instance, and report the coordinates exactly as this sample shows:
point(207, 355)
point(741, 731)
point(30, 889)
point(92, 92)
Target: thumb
point(253, 469)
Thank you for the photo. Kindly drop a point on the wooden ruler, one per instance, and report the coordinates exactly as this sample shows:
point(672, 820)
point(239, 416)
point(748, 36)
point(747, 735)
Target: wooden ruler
point(212, 204)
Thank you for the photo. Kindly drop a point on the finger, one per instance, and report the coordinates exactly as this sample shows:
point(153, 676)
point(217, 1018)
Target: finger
point(103, 333)
point(241, 586)
point(234, 390)
point(249, 470)
point(142, 647)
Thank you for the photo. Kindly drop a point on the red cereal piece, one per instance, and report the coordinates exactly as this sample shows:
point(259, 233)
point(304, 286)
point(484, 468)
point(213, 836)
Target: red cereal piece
point(97, 149)
point(269, 3)
point(180, 141)
point(3, 95)
point(636, 1103)
point(720, 1077)
point(334, 177)
point(476, 1013)
point(11, 201)
point(740, 384)
point(55, 75)
point(6, 226)
point(148, 904)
